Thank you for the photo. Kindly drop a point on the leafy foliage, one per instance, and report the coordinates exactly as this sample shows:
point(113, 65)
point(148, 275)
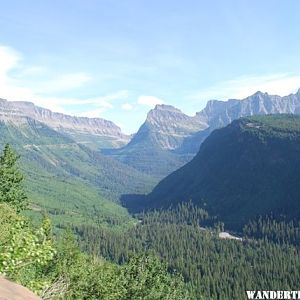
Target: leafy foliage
point(23, 250)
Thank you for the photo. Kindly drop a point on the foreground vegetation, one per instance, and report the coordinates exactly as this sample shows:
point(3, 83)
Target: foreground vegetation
point(55, 268)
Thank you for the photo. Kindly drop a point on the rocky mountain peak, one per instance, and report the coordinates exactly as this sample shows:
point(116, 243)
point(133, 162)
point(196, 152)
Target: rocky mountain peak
point(163, 112)
point(167, 107)
point(166, 126)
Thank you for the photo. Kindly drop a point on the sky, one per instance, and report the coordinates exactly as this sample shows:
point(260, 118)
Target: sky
point(117, 59)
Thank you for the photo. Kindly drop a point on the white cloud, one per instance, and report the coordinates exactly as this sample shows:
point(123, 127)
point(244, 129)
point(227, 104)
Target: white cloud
point(9, 59)
point(127, 106)
point(239, 88)
point(149, 100)
point(11, 88)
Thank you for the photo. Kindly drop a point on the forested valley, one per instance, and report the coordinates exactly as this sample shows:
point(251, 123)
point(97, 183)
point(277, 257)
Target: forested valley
point(213, 268)
point(168, 252)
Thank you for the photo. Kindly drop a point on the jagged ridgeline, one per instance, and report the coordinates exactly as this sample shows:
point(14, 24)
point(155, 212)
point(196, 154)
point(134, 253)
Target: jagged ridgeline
point(63, 152)
point(67, 179)
point(248, 169)
point(169, 138)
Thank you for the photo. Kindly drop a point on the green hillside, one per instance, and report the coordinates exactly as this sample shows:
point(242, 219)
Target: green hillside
point(69, 181)
point(247, 169)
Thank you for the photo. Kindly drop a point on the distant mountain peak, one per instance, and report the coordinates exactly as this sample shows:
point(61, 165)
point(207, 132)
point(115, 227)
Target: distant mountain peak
point(166, 115)
point(162, 112)
point(167, 107)
point(259, 93)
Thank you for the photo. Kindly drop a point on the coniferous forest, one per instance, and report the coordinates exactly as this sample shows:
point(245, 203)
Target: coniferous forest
point(213, 268)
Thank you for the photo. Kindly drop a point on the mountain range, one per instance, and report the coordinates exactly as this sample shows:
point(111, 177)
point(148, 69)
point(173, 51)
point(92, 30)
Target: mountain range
point(95, 133)
point(75, 164)
point(169, 138)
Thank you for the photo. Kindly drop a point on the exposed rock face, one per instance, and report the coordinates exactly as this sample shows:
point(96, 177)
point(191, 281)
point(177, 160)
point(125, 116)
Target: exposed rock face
point(151, 149)
point(80, 128)
point(169, 138)
point(217, 114)
point(170, 129)
point(13, 291)
point(167, 126)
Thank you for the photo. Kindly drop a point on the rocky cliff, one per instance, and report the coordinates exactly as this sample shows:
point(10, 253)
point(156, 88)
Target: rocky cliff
point(97, 131)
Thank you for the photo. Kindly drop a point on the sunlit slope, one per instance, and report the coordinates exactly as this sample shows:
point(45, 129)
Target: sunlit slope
point(67, 179)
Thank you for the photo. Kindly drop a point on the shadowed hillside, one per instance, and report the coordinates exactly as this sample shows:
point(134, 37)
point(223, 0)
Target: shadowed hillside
point(247, 169)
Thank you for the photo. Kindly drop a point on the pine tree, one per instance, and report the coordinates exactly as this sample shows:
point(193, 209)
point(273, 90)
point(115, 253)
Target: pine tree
point(11, 180)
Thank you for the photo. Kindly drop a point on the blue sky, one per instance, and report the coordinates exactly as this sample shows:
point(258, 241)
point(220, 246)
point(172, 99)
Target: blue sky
point(116, 59)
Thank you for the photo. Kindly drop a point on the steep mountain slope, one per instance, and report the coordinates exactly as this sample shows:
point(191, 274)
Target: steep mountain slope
point(247, 169)
point(95, 133)
point(68, 179)
point(151, 149)
point(217, 114)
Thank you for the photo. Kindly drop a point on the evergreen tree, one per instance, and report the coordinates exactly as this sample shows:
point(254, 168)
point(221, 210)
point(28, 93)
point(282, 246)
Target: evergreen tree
point(11, 180)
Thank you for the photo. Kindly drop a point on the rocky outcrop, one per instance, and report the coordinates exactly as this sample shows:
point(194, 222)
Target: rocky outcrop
point(13, 291)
